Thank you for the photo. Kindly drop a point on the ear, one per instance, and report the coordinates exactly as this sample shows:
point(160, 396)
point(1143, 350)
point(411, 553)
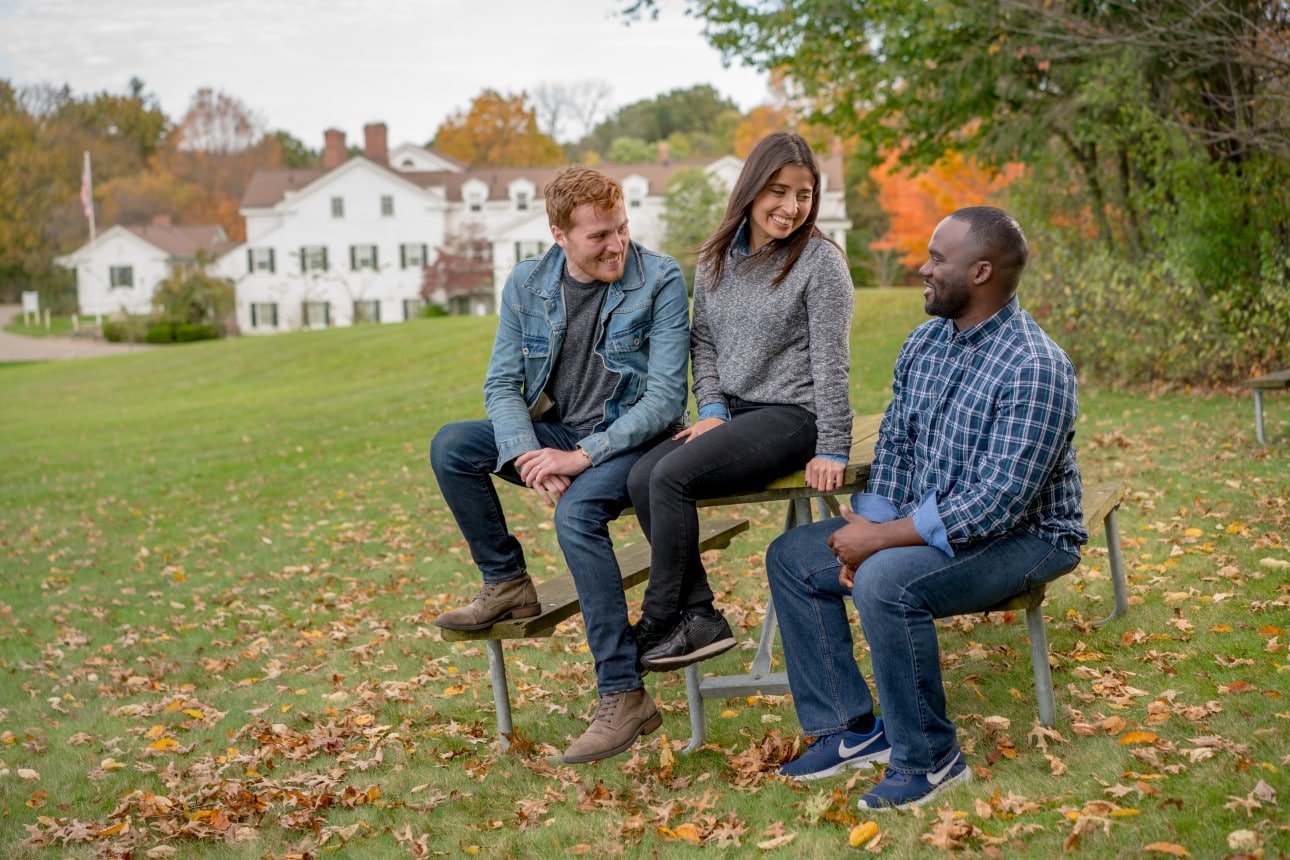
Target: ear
point(981, 271)
point(558, 235)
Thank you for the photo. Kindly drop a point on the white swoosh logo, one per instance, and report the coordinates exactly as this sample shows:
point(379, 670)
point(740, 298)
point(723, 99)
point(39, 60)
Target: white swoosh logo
point(846, 751)
point(936, 777)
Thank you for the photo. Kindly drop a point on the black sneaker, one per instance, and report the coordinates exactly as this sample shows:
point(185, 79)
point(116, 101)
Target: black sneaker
point(700, 634)
point(648, 632)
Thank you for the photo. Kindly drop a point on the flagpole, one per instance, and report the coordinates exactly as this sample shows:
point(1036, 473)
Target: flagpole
point(87, 194)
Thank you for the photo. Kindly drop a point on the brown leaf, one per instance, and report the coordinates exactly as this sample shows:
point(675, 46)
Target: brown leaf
point(1170, 848)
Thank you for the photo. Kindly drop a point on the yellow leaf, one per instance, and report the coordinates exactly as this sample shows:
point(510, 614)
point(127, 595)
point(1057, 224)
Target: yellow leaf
point(1193, 532)
point(285, 708)
point(1270, 630)
point(1125, 812)
point(1221, 628)
point(1168, 848)
point(119, 827)
point(665, 757)
point(728, 713)
point(164, 744)
point(1138, 738)
point(689, 833)
point(156, 732)
point(862, 833)
point(110, 764)
point(194, 713)
point(364, 720)
point(454, 690)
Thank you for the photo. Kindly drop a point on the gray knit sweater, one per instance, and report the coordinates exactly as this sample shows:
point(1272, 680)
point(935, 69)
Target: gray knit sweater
point(788, 344)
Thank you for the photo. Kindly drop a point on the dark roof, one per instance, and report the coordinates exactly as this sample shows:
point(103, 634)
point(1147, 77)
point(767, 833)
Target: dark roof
point(268, 187)
point(184, 240)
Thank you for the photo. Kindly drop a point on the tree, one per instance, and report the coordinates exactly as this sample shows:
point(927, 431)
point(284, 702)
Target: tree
point(631, 150)
point(915, 202)
point(462, 268)
point(694, 112)
point(190, 294)
point(497, 131)
point(759, 122)
point(694, 202)
point(570, 111)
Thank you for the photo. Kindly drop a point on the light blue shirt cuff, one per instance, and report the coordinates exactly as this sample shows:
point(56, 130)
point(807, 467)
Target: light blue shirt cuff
point(833, 458)
point(928, 524)
point(714, 410)
point(874, 508)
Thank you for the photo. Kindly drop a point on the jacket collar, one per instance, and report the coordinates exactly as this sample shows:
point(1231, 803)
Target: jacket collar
point(545, 277)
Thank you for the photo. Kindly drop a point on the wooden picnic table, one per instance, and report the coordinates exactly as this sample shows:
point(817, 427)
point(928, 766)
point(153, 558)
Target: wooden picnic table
point(1270, 382)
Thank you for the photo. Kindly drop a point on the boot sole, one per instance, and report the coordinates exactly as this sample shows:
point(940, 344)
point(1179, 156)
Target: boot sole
point(648, 727)
point(666, 664)
point(522, 612)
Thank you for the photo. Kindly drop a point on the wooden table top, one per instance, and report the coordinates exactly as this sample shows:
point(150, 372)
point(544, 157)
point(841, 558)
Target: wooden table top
point(864, 436)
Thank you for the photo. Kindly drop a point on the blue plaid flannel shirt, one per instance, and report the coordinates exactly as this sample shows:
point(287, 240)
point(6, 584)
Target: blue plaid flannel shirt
point(978, 438)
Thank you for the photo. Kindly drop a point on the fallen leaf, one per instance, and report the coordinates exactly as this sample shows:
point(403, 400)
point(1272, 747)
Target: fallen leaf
point(28, 774)
point(1138, 738)
point(1169, 848)
point(862, 833)
point(777, 842)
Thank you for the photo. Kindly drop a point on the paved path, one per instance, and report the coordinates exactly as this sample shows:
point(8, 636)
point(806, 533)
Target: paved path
point(16, 347)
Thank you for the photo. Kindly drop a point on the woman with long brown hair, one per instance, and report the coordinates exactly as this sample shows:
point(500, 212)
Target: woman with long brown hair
point(769, 352)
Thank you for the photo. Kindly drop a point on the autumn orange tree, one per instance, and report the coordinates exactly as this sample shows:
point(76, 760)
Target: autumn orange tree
point(916, 200)
point(499, 131)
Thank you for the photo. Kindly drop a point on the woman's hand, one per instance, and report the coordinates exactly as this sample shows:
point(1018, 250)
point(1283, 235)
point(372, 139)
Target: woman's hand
point(824, 475)
point(698, 428)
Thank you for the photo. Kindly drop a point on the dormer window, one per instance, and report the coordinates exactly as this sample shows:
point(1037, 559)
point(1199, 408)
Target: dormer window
point(522, 201)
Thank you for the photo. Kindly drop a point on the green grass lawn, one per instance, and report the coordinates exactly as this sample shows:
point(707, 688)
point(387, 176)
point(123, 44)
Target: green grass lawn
point(219, 565)
point(33, 325)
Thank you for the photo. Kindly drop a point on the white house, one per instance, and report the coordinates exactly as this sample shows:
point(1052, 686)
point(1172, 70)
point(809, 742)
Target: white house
point(119, 271)
point(347, 242)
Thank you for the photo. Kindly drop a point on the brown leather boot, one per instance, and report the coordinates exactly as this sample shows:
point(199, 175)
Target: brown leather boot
point(619, 721)
point(496, 601)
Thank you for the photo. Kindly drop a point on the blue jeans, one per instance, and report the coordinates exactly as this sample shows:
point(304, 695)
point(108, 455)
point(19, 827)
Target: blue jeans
point(898, 592)
point(464, 455)
point(760, 442)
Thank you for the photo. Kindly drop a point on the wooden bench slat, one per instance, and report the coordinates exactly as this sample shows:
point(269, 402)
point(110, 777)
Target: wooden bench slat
point(559, 597)
point(1280, 379)
point(1099, 500)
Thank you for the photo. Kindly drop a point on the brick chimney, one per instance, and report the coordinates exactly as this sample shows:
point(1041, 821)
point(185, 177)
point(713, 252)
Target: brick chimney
point(162, 221)
point(374, 145)
point(334, 153)
point(663, 152)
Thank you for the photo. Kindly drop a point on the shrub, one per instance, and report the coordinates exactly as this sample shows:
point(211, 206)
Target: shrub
point(189, 332)
point(160, 332)
point(432, 310)
point(1155, 321)
point(128, 330)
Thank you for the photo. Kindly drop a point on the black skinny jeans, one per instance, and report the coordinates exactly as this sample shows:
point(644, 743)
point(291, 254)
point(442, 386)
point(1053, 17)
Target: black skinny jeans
point(760, 442)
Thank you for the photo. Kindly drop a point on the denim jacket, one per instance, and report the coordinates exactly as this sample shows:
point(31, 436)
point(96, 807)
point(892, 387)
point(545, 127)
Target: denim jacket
point(644, 336)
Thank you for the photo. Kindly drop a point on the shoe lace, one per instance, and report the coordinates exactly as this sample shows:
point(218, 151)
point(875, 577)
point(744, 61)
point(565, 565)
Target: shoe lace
point(606, 708)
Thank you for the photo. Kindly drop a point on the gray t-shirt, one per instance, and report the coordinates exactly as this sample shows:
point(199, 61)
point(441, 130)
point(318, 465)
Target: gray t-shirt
point(580, 384)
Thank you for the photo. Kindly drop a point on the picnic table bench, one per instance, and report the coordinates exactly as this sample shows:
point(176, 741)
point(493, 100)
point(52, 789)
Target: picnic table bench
point(560, 601)
point(1270, 382)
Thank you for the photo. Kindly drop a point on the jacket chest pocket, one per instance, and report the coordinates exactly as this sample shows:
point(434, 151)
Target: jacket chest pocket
point(630, 339)
point(536, 350)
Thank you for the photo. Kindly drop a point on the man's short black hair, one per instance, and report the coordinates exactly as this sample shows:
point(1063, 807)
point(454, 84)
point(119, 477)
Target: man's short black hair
point(998, 238)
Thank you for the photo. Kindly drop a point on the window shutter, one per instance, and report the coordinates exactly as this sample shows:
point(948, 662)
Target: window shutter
point(376, 261)
point(304, 259)
point(271, 266)
point(324, 258)
point(403, 256)
point(250, 260)
point(254, 316)
point(353, 259)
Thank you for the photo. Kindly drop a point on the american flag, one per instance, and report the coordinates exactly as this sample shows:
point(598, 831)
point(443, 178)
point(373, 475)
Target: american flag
point(87, 198)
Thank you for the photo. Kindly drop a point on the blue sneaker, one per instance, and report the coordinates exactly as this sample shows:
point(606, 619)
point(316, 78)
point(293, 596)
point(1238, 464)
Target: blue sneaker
point(904, 790)
point(831, 754)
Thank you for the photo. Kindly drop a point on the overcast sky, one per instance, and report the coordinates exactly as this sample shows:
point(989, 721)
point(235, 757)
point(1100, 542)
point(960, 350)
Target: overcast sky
point(309, 65)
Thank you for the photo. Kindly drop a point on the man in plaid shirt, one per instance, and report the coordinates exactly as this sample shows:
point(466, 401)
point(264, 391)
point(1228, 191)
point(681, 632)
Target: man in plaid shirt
point(974, 497)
